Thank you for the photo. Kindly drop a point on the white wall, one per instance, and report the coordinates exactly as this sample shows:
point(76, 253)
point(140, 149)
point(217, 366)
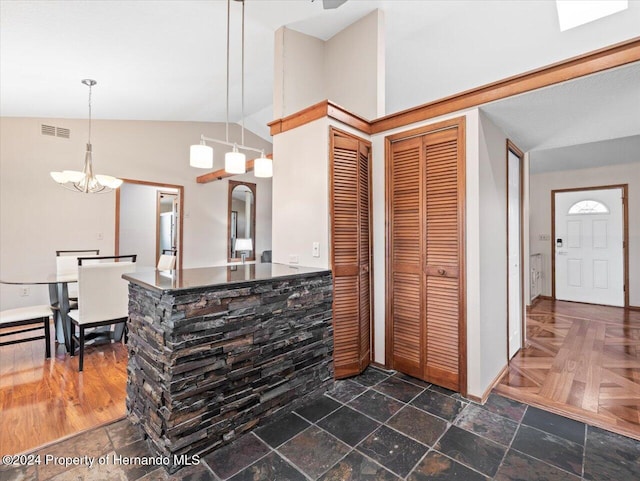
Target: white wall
point(354, 67)
point(298, 72)
point(347, 69)
point(541, 186)
point(138, 225)
point(493, 251)
point(37, 216)
point(301, 194)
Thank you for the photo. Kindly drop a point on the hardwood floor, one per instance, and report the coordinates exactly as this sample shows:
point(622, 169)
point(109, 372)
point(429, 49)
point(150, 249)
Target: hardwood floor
point(581, 361)
point(43, 400)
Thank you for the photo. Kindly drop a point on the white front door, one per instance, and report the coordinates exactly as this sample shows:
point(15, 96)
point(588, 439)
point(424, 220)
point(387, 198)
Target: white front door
point(589, 246)
point(514, 254)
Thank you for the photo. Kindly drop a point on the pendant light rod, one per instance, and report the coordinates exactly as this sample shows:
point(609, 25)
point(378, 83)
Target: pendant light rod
point(228, 25)
point(242, 74)
point(230, 144)
point(89, 83)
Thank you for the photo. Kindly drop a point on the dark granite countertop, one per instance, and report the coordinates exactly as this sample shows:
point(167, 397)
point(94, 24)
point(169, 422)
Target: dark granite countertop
point(196, 278)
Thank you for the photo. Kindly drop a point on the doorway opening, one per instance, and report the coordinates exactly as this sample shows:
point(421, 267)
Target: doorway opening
point(149, 219)
point(590, 238)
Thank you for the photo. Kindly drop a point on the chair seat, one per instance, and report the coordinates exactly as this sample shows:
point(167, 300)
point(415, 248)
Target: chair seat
point(25, 313)
point(75, 316)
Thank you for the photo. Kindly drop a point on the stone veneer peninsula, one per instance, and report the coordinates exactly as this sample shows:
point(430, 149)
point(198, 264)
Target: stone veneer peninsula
point(214, 352)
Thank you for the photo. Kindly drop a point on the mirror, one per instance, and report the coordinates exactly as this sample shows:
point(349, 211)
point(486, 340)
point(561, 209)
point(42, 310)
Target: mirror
point(241, 221)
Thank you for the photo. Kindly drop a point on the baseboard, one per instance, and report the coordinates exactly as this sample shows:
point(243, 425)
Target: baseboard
point(634, 308)
point(487, 392)
point(382, 367)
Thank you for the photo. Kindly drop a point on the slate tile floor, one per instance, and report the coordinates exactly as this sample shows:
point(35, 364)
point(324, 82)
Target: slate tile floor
point(376, 427)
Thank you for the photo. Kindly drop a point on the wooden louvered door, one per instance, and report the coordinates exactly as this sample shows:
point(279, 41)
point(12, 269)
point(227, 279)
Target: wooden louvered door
point(442, 290)
point(406, 247)
point(350, 252)
point(425, 315)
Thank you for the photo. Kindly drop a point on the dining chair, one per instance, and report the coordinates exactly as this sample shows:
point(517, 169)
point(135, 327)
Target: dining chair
point(31, 318)
point(104, 300)
point(67, 264)
point(166, 262)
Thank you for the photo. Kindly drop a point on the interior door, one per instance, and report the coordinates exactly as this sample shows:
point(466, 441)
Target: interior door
point(425, 269)
point(350, 253)
point(589, 253)
point(514, 252)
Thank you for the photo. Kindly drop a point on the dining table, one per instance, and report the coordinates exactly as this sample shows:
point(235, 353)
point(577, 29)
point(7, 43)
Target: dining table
point(58, 297)
point(58, 285)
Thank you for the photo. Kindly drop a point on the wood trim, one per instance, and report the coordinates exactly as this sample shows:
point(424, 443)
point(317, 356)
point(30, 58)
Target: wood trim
point(625, 234)
point(116, 248)
point(383, 367)
point(494, 383)
point(232, 185)
point(388, 325)
point(159, 194)
point(462, 252)
point(223, 174)
point(158, 197)
point(511, 147)
point(575, 67)
point(179, 188)
point(324, 108)
point(572, 68)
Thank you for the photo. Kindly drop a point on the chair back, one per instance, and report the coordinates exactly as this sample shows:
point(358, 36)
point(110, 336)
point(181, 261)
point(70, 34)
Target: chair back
point(81, 261)
point(103, 293)
point(166, 262)
point(67, 265)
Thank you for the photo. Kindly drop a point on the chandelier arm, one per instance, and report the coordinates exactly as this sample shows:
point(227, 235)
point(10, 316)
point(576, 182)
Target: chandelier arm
point(230, 144)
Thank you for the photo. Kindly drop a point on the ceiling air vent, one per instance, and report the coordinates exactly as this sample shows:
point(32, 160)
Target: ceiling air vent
point(53, 131)
point(48, 130)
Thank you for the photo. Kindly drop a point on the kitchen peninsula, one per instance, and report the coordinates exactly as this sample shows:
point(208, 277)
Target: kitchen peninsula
point(214, 352)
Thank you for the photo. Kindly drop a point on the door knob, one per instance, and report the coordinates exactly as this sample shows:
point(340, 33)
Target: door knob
point(441, 271)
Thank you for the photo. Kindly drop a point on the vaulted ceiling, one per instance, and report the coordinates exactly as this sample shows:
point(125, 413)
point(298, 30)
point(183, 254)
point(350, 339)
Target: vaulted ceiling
point(165, 60)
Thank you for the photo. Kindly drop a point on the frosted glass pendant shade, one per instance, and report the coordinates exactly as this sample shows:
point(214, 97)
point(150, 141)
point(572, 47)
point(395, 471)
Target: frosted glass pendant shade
point(235, 162)
point(263, 167)
point(201, 156)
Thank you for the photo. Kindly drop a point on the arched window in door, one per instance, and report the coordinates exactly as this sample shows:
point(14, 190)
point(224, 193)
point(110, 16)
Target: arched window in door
point(588, 207)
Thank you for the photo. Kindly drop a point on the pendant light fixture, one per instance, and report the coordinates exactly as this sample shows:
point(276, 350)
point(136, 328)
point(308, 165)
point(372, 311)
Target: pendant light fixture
point(86, 181)
point(235, 162)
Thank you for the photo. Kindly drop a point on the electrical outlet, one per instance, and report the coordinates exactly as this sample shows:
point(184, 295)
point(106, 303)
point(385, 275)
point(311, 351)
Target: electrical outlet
point(316, 249)
point(294, 259)
point(25, 291)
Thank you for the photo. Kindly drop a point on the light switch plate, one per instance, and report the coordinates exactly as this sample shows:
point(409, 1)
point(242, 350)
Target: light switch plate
point(316, 249)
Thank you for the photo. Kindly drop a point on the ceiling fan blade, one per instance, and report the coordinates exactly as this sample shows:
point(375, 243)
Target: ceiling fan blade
point(331, 4)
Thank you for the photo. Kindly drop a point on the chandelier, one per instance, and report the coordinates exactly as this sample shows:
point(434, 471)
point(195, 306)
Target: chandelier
point(86, 181)
point(235, 162)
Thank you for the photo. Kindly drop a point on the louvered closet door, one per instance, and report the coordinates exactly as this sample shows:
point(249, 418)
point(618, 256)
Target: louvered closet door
point(364, 254)
point(425, 199)
point(441, 260)
point(406, 277)
point(350, 253)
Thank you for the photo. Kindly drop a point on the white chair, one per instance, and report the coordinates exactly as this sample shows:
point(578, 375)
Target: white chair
point(166, 262)
point(37, 317)
point(104, 300)
point(67, 265)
